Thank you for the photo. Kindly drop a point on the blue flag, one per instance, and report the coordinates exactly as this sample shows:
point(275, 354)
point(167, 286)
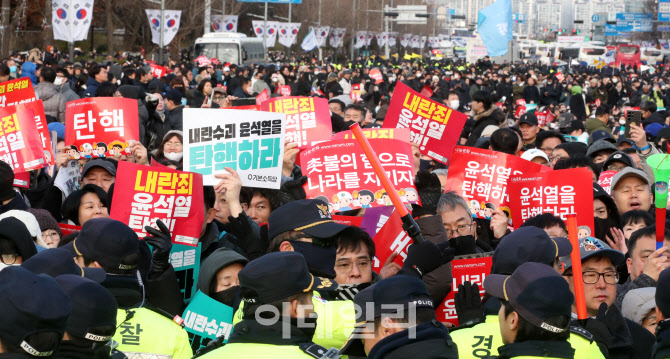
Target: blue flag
point(309, 43)
point(495, 27)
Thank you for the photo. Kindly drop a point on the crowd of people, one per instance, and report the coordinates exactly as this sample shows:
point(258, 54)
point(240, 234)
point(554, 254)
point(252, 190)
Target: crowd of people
point(302, 285)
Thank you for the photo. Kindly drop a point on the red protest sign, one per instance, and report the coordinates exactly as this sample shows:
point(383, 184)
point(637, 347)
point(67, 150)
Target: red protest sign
point(67, 229)
point(339, 173)
point(376, 75)
point(22, 179)
point(348, 220)
point(605, 180)
point(426, 91)
point(307, 118)
point(41, 122)
point(521, 102)
point(151, 193)
point(355, 94)
point(559, 192)
point(401, 134)
point(434, 127)
point(481, 177)
point(560, 77)
point(158, 71)
point(472, 270)
point(16, 92)
point(544, 118)
point(248, 107)
point(284, 90)
point(101, 126)
point(20, 145)
point(391, 238)
point(262, 97)
point(520, 110)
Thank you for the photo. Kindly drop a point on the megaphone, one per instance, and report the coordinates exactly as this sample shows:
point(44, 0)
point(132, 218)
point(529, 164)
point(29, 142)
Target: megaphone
point(660, 164)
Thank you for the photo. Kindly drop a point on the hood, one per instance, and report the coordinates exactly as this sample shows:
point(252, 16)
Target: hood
point(487, 113)
point(29, 220)
point(28, 70)
point(13, 229)
point(47, 90)
point(216, 261)
point(129, 91)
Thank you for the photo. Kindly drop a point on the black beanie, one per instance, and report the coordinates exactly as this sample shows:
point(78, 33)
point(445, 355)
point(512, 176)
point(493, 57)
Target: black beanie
point(6, 182)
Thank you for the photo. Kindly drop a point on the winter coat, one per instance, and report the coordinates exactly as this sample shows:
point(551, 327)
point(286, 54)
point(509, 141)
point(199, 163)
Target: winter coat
point(492, 116)
point(53, 101)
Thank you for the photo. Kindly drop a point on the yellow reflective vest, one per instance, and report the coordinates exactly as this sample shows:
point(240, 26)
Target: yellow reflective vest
point(148, 332)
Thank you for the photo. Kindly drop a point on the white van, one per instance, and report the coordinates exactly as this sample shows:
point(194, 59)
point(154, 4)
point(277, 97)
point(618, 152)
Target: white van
point(230, 47)
point(651, 56)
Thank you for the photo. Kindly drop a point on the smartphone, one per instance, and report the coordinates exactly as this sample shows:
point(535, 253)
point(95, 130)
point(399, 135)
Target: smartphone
point(244, 102)
point(632, 116)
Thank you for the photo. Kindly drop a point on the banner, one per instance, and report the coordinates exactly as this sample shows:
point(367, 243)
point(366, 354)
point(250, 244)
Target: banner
point(481, 177)
point(307, 119)
point(206, 319)
point(337, 36)
point(401, 134)
point(284, 90)
point(426, 91)
point(158, 71)
point(321, 34)
point(434, 127)
point(101, 126)
point(224, 23)
point(41, 122)
point(15, 92)
point(20, 145)
point(559, 192)
point(472, 270)
point(250, 142)
point(186, 263)
point(376, 75)
point(152, 193)
point(271, 31)
point(171, 19)
point(360, 39)
point(495, 27)
point(288, 33)
point(405, 40)
point(310, 42)
point(605, 180)
point(340, 172)
point(71, 19)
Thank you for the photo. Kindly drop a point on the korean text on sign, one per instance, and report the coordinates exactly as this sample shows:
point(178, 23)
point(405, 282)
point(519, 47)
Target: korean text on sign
point(20, 145)
point(41, 122)
point(559, 192)
point(340, 173)
point(208, 318)
point(185, 260)
point(249, 142)
point(307, 118)
point(401, 134)
point(390, 238)
point(434, 127)
point(473, 270)
point(169, 195)
point(15, 92)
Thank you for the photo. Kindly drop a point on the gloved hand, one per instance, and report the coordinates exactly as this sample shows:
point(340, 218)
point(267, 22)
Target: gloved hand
point(469, 307)
point(426, 257)
point(609, 329)
point(161, 241)
point(292, 190)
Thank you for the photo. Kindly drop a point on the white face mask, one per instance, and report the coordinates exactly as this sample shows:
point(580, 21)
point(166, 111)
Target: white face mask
point(59, 81)
point(454, 104)
point(174, 156)
point(615, 80)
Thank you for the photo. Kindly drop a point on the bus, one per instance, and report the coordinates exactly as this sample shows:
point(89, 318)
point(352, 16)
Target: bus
point(230, 47)
point(591, 54)
point(628, 55)
point(651, 56)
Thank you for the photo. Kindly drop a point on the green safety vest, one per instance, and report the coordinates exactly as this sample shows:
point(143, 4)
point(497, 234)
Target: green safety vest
point(255, 350)
point(148, 332)
point(334, 325)
point(483, 340)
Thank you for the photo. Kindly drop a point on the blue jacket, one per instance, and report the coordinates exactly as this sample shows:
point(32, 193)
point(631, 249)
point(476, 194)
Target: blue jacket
point(28, 70)
point(91, 87)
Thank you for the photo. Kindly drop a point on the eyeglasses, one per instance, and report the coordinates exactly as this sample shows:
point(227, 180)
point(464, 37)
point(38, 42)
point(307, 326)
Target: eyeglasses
point(615, 168)
point(463, 230)
point(217, 98)
point(547, 150)
point(347, 267)
point(9, 258)
point(593, 277)
point(556, 158)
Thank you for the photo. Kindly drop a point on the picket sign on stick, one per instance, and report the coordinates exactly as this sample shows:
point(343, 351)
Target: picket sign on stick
point(660, 164)
point(573, 235)
point(408, 223)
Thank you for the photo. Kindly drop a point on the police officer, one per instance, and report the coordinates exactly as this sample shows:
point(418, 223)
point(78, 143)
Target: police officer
point(478, 334)
point(34, 312)
point(278, 315)
point(532, 323)
point(396, 319)
point(142, 329)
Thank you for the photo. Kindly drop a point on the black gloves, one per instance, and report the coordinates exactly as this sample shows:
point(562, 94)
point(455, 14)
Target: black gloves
point(468, 304)
point(161, 241)
point(609, 329)
point(426, 257)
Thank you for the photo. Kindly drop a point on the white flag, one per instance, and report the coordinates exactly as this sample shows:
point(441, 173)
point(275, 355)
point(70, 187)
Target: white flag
point(405, 40)
point(416, 41)
point(337, 36)
point(271, 36)
point(287, 32)
point(171, 25)
point(321, 34)
point(229, 23)
point(423, 42)
point(368, 38)
point(393, 37)
point(217, 23)
point(360, 39)
point(382, 37)
point(71, 19)
point(309, 43)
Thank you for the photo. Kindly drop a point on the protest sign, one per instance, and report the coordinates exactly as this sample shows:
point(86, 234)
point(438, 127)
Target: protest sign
point(249, 142)
point(20, 145)
point(339, 172)
point(15, 92)
point(307, 119)
point(158, 71)
point(206, 319)
point(284, 90)
point(605, 180)
point(560, 77)
point(472, 270)
point(520, 110)
point(401, 134)
point(22, 179)
point(426, 91)
point(390, 238)
point(434, 127)
point(68, 178)
point(67, 229)
point(355, 94)
point(41, 122)
point(347, 220)
point(376, 75)
point(152, 193)
point(559, 192)
point(481, 178)
point(247, 107)
point(100, 127)
point(543, 118)
point(186, 263)
point(374, 219)
point(262, 97)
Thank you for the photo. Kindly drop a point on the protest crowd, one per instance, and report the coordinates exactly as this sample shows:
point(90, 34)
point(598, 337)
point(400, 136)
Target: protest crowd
point(215, 210)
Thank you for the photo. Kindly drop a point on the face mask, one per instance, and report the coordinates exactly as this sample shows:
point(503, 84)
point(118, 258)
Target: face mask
point(454, 104)
point(226, 296)
point(425, 165)
point(349, 291)
point(12, 69)
point(316, 73)
point(174, 156)
point(58, 81)
point(184, 101)
point(320, 260)
point(601, 227)
point(615, 80)
point(463, 245)
point(274, 79)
